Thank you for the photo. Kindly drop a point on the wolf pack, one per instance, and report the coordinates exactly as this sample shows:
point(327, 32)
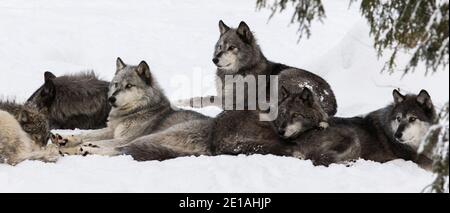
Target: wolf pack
point(131, 115)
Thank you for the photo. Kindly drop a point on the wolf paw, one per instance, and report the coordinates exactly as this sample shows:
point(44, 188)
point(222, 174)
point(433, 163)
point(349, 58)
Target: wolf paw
point(53, 153)
point(61, 141)
point(324, 125)
point(349, 163)
point(89, 149)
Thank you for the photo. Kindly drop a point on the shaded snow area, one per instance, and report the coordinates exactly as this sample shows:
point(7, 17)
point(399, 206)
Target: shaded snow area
point(177, 39)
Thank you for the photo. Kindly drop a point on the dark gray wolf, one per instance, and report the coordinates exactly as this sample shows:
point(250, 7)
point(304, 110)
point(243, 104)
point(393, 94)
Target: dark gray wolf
point(241, 132)
point(73, 101)
point(32, 121)
point(237, 53)
point(393, 132)
point(139, 108)
point(16, 145)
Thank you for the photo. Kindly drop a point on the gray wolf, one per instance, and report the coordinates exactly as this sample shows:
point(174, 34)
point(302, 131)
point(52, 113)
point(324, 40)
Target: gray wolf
point(17, 146)
point(73, 101)
point(241, 132)
point(237, 53)
point(139, 108)
point(32, 121)
point(393, 132)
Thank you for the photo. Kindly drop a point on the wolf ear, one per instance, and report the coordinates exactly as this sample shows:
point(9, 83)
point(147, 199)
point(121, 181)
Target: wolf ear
point(223, 27)
point(245, 33)
point(48, 76)
point(424, 99)
point(119, 65)
point(48, 89)
point(307, 96)
point(398, 97)
point(143, 70)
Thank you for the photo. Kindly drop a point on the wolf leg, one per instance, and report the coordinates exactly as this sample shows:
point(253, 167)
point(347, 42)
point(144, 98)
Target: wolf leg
point(178, 141)
point(75, 140)
point(149, 152)
point(105, 147)
point(51, 153)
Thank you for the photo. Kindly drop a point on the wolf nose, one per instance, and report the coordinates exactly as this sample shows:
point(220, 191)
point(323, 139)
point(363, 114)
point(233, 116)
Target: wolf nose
point(281, 132)
point(398, 135)
point(112, 100)
point(215, 60)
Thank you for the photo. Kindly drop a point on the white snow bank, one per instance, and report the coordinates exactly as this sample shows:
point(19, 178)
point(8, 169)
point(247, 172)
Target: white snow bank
point(210, 174)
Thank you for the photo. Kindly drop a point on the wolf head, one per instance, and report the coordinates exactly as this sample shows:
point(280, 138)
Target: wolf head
point(32, 121)
point(411, 117)
point(298, 113)
point(35, 124)
point(133, 87)
point(236, 49)
point(43, 98)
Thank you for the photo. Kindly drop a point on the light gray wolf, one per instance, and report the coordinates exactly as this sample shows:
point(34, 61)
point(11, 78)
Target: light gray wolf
point(139, 108)
point(32, 121)
point(73, 101)
point(17, 146)
point(393, 132)
point(237, 53)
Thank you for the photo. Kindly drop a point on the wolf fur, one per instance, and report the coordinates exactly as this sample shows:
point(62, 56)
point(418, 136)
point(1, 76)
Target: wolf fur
point(237, 53)
point(73, 101)
point(241, 132)
point(32, 121)
point(390, 133)
point(17, 146)
point(140, 108)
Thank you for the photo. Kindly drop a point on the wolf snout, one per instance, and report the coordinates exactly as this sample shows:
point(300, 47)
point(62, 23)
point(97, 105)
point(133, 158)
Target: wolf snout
point(398, 135)
point(112, 100)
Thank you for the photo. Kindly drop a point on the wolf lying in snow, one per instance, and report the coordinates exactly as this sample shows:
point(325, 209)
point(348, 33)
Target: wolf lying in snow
point(393, 132)
point(17, 146)
point(32, 121)
point(73, 101)
point(139, 108)
point(237, 53)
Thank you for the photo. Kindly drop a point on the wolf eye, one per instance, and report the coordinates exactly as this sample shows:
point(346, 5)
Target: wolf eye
point(399, 118)
point(231, 48)
point(412, 119)
point(129, 86)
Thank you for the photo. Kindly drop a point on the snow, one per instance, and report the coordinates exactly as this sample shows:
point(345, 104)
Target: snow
point(177, 39)
point(210, 174)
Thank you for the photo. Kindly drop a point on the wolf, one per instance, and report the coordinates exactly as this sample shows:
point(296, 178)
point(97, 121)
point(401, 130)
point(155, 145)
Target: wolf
point(393, 132)
point(237, 53)
point(31, 120)
point(139, 108)
point(17, 146)
point(73, 101)
point(241, 132)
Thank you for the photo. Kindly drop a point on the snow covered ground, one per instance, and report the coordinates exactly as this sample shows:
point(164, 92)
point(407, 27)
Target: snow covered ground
point(177, 38)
